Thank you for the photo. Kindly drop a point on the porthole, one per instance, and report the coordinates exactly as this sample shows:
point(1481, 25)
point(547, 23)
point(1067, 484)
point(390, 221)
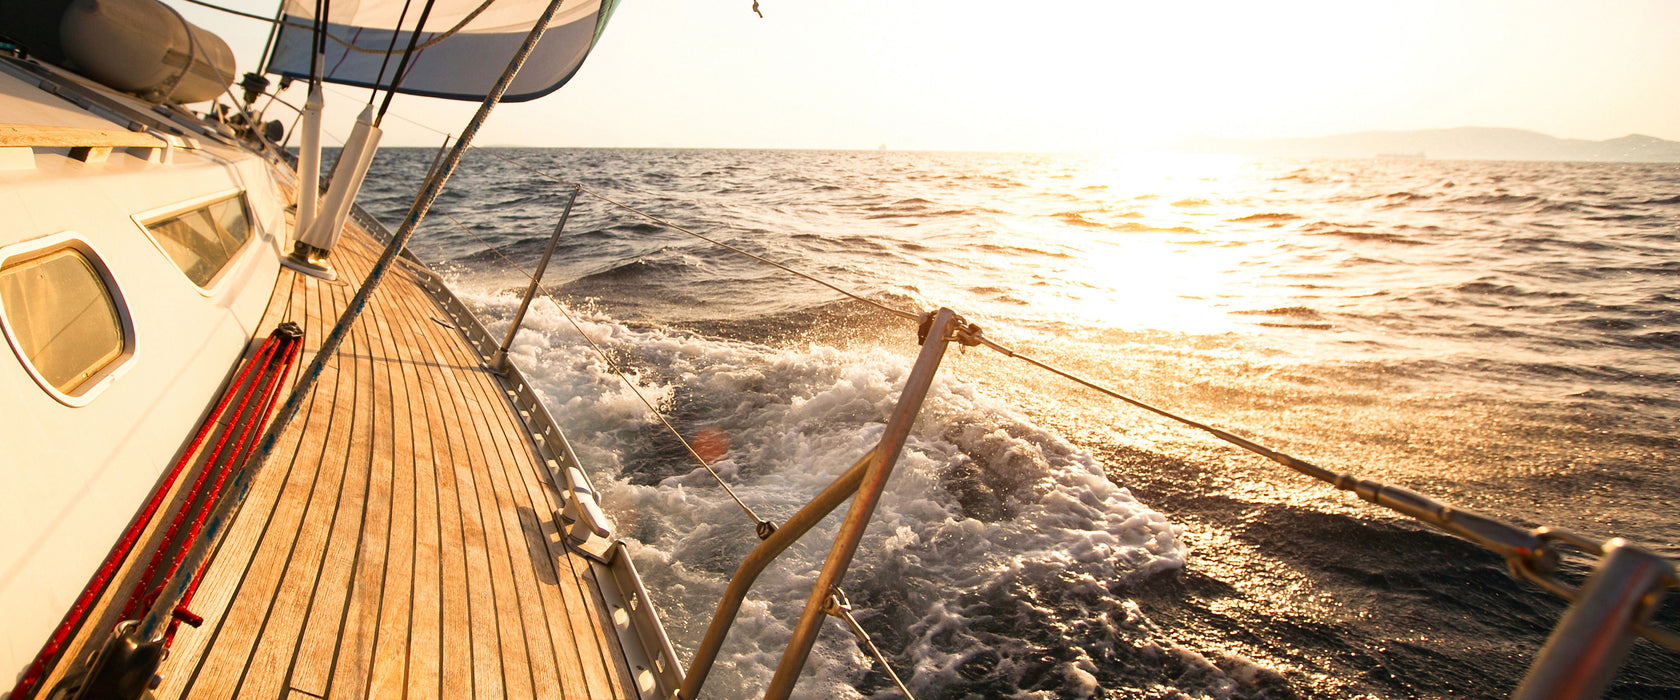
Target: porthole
point(64, 317)
point(201, 237)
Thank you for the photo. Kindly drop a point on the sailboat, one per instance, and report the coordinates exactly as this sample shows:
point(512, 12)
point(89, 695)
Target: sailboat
point(209, 493)
point(255, 448)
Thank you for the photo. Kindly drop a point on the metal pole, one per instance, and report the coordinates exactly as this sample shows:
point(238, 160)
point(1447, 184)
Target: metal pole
point(152, 626)
point(754, 563)
point(500, 358)
point(863, 506)
point(1589, 643)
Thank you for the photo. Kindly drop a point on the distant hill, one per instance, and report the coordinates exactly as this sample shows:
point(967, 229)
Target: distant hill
point(1464, 143)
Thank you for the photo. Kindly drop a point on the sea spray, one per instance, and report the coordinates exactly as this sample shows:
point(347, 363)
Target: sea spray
point(987, 515)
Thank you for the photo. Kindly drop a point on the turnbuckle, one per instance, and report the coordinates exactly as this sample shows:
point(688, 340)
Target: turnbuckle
point(963, 332)
point(1541, 569)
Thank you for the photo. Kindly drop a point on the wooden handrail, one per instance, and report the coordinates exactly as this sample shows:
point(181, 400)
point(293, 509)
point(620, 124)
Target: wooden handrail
point(31, 135)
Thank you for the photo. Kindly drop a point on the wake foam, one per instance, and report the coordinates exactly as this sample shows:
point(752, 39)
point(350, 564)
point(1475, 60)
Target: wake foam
point(994, 539)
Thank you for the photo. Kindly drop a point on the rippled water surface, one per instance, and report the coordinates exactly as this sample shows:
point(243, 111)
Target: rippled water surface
point(1504, 336)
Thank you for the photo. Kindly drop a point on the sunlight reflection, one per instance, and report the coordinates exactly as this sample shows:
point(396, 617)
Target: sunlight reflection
point(1149, 246)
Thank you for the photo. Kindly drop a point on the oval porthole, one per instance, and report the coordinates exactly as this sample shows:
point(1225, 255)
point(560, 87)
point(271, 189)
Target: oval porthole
point(63, 316)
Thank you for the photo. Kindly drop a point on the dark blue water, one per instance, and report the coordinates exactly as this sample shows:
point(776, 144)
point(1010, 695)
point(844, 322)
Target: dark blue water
point(1504, 336)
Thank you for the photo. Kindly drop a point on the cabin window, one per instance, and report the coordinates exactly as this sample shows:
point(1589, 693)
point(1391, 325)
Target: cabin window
point(61, 318)
point(203, 240)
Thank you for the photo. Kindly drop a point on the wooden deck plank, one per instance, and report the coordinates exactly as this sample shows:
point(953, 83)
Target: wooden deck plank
point(455, 628)
point(312, 662)
point(547, 615)
point(422, 559)
point(231, 560)
point(454, 632)
point(487, 575)
point(379, 555)
point(510, 622)
point(592, 657)
point(304, 562)
point(223, 663)
point(510, 451)
point(389, 651)
point(587, 619)
point(470, 628)
point(533, 566)
point(426, 614)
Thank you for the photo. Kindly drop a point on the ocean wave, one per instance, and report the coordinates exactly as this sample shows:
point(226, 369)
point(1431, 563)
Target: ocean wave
point(1139, 227)
point(1656, 339)
point(1528, 340)
point(632, 270)
point(1265, 217)
point(1492, 286)
point(1372, 236)
point(1022, 250)
point(1285, 311)
point(1499, 200)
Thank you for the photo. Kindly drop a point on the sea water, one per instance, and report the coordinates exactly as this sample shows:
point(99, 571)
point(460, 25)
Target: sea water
point(1504, 336)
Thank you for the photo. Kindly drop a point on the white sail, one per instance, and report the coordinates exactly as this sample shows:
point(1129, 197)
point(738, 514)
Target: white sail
point(462, 49)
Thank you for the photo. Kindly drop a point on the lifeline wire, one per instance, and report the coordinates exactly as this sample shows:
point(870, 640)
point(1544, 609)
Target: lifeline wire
point(757, 521)
point(896, 312)
point(1498, 536)
point(1307, 468)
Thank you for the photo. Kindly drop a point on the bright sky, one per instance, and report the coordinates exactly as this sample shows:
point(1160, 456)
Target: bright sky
point(1072, 75)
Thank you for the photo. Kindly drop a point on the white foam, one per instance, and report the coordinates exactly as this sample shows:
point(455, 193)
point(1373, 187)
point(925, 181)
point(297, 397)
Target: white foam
point(1038, 509)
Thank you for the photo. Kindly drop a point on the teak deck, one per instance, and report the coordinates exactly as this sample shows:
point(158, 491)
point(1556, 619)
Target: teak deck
point(400, 542)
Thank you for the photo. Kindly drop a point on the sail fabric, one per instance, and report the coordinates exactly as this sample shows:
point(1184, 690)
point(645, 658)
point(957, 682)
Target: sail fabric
point(463, 49)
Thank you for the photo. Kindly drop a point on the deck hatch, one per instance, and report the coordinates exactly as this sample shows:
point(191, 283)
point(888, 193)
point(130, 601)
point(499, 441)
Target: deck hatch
point(63, 319)
point(203, 239)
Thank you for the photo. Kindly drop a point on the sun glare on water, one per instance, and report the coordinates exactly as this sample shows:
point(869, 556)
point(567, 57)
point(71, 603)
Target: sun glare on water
point(1145, 247)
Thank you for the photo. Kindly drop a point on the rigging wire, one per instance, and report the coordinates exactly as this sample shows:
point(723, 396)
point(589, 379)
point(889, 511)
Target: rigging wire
point(838, 606)
point(350, 45)
point(241, 13)
point(763, 526)
point(912, 317)
point(402, 65)
point(273, 31)
point(389, 49)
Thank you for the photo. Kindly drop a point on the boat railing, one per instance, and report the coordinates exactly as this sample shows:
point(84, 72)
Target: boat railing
point(1610, 608)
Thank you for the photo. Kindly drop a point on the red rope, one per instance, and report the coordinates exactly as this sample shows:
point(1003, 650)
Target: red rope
point(146, 593)
point(238, 389)
point(78, 612)
point(244, 445)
